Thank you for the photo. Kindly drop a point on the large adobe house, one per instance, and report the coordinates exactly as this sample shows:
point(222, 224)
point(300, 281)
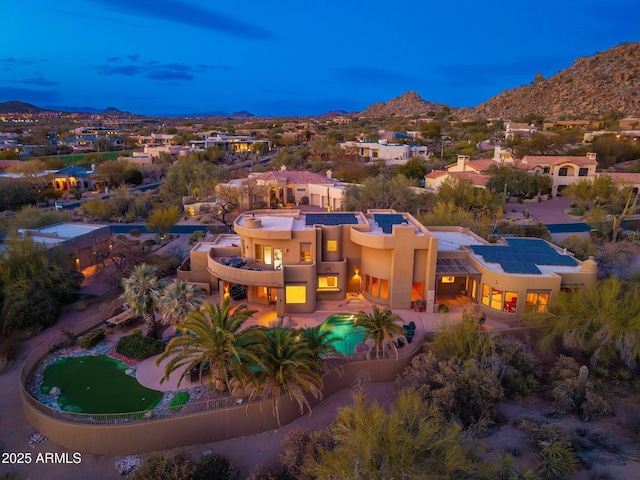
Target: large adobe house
point(292, 260)
point(563, 170)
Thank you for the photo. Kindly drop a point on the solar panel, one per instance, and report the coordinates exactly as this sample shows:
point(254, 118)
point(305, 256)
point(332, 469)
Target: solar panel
point(520, 267)
point(330, 219)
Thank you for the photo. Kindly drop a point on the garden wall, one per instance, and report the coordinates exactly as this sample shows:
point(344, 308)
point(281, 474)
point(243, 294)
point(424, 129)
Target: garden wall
point(150, 435)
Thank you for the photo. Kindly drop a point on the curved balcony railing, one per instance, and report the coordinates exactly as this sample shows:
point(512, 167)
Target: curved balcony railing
point(243, 274)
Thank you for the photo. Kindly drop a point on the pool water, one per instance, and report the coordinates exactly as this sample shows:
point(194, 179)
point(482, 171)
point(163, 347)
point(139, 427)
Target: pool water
point(97, 384)
point(341, 327)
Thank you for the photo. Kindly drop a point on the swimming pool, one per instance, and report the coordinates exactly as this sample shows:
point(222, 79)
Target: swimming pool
point(341, 327)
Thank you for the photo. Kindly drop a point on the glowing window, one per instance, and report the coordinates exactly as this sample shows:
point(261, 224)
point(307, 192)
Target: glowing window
point(305, 253)
point(510, 301)
point(384, 288)
point(296, 293)
point(328, 283)
point(486, 294)
point(537, 302)
point(448, 279)
point(332, 245)
point(267, 255)
point(496, 299)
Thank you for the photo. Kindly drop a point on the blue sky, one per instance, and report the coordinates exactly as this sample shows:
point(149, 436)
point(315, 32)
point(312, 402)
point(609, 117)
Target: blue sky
point(291, 57)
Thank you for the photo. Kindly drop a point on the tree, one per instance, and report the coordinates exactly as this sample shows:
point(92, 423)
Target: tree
point(285, 365)
point(382, 326)
point(517, 181)
point(114, 173)
point(15, 192)
point(178, 299)
point(162, 219)
point(603, 322)
point(380, 192)
point(142, 291)
point(414, 169)
point(213, 338)
point(412, 440)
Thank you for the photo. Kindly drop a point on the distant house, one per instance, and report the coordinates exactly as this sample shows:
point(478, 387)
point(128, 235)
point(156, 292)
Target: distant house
point(74, 176)
point(563, 170)
point(295, 187)
point(391, 153)
point(6, 164)
point(513, 130)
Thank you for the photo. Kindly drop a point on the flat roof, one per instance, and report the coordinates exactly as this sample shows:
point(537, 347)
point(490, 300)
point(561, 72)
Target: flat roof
point(453, 241)
point(69, 230)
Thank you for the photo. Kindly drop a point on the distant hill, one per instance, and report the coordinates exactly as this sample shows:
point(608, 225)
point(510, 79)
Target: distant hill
point(410, 103)
point(598, 85)
point(15, 106)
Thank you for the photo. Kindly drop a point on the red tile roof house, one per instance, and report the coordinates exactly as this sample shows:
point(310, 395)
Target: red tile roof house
point(563, 170)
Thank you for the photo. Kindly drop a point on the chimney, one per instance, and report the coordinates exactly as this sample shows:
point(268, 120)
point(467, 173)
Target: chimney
point(329, 174)
point(591, 156)
point(461, 160)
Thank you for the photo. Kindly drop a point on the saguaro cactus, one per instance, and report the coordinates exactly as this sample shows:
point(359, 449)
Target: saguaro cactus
point(583, 376)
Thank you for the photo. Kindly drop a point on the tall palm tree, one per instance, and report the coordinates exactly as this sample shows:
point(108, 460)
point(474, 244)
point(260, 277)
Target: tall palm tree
point(382, 326)
point(287, 366)
point(321, 343)
point(142, 291)
point(178, 299)
point(214, 338)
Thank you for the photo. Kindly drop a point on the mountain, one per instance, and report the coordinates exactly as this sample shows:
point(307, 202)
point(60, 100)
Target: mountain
point(607, 82)
point(15, 106)
point(410, 103)
point(242, 114)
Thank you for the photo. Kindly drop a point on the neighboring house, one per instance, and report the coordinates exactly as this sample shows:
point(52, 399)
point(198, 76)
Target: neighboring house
point(292, 260)
point(137, 158)
point(624, 179)
point(74, 177)
point(78, 242)
point(523, 130)
point(284, 187)
point(391, 153)
point(155, 139)
point(569, 124)
point(86, 142)
point(563, 170)
point(155, 150)
point(237, 143)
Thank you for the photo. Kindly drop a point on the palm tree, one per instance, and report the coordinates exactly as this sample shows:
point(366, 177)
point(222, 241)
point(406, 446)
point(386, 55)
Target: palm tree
point(286, 366)
point(321, 343)
point(178, 299)
point(382, 326)
point(142, 291)
point(214, 338)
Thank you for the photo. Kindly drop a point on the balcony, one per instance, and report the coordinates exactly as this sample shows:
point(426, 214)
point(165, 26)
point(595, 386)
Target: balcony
point(238, 271)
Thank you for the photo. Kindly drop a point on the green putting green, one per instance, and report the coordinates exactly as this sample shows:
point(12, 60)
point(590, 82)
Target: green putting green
point(97, 385)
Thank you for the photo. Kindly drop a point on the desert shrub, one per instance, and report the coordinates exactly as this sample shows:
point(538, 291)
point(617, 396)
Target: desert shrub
point(464, 390)
point(301, 446)
point(9, 348)
point(216, 467)
point(270, 472)
point(205, 208)
point(138, 347)
point(166, 466)
point(304, 200)
point(196, 237)
point(120, 236)
point(557, 460)
point(563, 391)
point(92, 338)
point(520, 368)
point(149, 242)
point(462, 340)
point(135, 232)
point(165, 264)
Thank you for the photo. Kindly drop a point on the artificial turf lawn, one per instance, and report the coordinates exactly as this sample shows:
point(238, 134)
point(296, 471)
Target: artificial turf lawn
point(97, 384)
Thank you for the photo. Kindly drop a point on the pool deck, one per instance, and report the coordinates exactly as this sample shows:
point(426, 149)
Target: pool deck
point(149, 375)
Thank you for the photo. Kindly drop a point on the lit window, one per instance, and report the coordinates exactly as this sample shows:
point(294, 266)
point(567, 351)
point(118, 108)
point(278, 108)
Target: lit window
point(296, 293)
point(384, 288)
point(267, 255)
point(305, 253)
point(537, 302)
point(510, 302)
point(496, 299)
point(486, 293)
point(332, 245)
point(448, 279)
point(328, 283)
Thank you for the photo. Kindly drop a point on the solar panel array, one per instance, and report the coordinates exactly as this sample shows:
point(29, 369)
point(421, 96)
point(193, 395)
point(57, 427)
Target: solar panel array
point(386, 221)
point(523, 255)
point(330, 219)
